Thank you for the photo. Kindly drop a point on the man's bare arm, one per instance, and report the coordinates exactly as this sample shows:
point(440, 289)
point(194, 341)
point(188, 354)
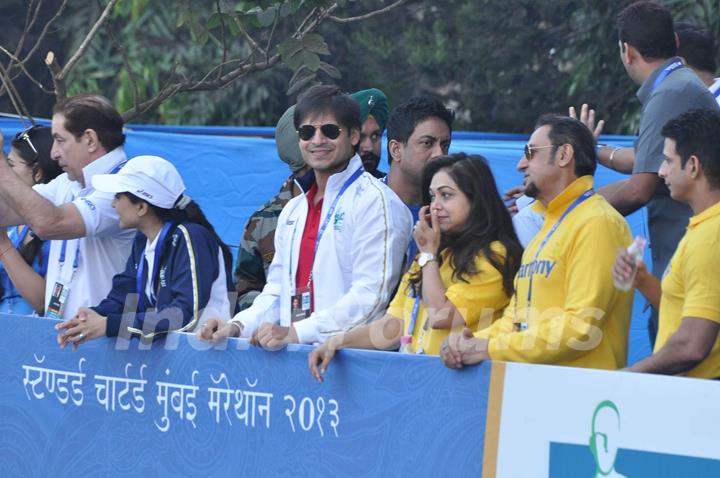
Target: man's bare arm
point(22, 205)
point(631, 194)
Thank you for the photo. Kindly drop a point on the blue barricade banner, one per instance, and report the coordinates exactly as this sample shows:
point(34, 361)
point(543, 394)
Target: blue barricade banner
point(182, 407)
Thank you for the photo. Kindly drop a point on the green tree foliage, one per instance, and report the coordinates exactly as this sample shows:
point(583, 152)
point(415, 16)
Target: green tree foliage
point(499, 63)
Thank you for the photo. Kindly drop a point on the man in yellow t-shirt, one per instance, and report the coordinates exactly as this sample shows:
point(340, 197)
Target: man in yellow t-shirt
point(689, 295)
point(565, 310)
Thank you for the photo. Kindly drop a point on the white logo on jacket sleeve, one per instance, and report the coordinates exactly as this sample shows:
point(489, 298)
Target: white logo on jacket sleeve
point(338, 220)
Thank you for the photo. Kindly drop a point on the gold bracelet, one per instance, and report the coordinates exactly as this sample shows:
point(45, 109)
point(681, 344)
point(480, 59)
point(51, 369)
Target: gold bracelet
point(612, 156)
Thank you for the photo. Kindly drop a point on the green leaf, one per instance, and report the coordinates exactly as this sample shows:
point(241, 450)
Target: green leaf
point(183, 18)
point(303, 57)
point(213, 21)
point(289, 47)
point(285, 10)
point(331, 71)
point(301, 73)
point(315, 43)
point(267, 17)
point(233, 24)
point(252, 11)
point(295, 5)
point(300, 84)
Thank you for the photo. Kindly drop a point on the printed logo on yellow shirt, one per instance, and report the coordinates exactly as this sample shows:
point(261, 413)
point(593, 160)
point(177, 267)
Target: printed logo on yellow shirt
point(544, 268)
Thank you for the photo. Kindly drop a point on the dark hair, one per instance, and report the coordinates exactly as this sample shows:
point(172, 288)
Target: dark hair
point(191, 213)
point(565, 130)
point(648, 27)
point(95, 112)
point(41, 139)
point(489, 220)
point(697, 46)
point(696, 133)
point(407, 116)
point(49, 169)
point(326, 98)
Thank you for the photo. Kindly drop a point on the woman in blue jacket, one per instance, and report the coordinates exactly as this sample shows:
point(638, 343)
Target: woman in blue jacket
point(178, 270)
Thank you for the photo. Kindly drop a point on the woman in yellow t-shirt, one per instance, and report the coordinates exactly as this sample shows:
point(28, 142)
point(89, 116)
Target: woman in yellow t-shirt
point(468, 254)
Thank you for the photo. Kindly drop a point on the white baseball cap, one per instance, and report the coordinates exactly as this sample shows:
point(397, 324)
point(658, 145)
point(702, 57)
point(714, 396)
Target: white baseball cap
point(150, 178)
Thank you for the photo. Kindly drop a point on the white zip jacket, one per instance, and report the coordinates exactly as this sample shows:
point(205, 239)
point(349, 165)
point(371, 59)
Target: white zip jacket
point(357, 265)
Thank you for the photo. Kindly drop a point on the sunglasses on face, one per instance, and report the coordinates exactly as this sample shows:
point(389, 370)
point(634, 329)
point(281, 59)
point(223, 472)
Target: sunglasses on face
point(329, 130)
point(25, 136)
point(530, 150)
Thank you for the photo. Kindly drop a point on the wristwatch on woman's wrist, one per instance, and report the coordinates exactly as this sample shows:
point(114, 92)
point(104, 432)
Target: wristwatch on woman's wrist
point(424, 258)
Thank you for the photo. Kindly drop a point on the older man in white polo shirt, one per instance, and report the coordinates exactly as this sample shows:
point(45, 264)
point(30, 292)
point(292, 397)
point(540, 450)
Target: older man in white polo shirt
point(88, 247)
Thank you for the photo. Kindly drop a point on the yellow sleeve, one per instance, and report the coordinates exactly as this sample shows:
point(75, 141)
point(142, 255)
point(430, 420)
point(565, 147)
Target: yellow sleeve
point(702, 289)
point(483, 295)
point(503, 325)
point(397, 304)
point(563, 334)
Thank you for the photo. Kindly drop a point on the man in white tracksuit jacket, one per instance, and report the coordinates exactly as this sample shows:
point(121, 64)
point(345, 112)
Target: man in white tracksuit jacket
point(339, 246)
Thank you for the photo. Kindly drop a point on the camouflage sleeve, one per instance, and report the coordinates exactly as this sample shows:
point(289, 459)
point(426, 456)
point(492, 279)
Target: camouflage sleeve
point(257, 249)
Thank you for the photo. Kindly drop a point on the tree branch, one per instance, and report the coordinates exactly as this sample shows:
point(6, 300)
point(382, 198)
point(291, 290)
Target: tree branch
point(218, 67)
point(54, 67)
point(30, 20)
point(20, 65)
point(222, 38)
point(312, 25)
point(272, 32)
point(253, 44)
point(86, 42)
point(15, 99)
point(170, 91)
point(369, 14)
point(45, 30)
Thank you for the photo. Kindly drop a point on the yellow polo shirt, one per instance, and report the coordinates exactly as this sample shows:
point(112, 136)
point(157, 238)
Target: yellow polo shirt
point(574, 315)
point(691, 286)
point(480, 300)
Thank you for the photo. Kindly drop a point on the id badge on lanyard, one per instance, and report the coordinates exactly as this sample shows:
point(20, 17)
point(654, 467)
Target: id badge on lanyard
point(61, 288)
point(300, 305)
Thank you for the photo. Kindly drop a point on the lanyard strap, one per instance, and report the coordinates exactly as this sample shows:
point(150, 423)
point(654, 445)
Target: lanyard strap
point(21, 237)
point(414, 315)
point(324, 224)
point(717, 92)
point(63, 250)
point(139, 283)
point(330, 212)
point(587, 194)
point(118, 167)
point(666, 72)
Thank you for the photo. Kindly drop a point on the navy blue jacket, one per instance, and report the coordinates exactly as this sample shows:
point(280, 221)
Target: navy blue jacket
point(183, 282)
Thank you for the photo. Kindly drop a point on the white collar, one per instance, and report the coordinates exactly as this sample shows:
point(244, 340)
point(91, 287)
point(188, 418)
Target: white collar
point(103, 165)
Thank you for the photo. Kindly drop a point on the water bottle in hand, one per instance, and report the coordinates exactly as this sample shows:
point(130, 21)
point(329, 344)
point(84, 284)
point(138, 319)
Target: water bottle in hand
point(636, 250)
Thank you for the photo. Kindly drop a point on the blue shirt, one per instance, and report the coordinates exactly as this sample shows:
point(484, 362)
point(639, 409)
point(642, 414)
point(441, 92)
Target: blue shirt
point(12, 302)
